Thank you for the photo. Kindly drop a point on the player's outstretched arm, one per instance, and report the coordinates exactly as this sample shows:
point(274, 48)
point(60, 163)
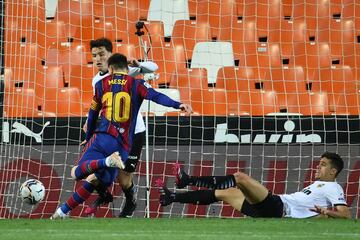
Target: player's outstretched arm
point(340, 212)
point(136, 67)
point(186, 108)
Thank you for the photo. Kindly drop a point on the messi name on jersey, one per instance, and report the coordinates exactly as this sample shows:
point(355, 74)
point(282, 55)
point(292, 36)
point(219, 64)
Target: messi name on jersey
point(117, 81)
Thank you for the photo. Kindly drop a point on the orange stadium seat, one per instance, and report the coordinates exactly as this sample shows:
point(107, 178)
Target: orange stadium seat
point(220, 14)
point(64, 102)
point(186, 79)
point(20, 103)
point(339, 79)
point(236, 80)
point(265, 55)
point(313, 103)
point(188, 33)
point(22, 28)
point(104, 29)
point(53, 77)
point(285, 81)
point(104, 10)
point(243, 36)
point(316, 13)
point(24, 60)
point(209, 102)
point(9, 84)
point(129, 50)
point(353, 103)
point(78, 15)
point(312, 56)
point(256, 103)
point(76, 54)
point(268, 15)
point(293, 31)
point(54, 33)
point(80, 77)
point(168, 58)
point(156, 31)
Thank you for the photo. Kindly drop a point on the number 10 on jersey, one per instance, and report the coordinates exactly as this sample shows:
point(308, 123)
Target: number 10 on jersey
point(117, 106)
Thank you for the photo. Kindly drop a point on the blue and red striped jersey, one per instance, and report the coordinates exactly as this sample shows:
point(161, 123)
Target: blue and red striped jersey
point(119, 97)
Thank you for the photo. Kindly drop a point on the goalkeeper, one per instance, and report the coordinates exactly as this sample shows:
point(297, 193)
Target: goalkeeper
point(323, 198)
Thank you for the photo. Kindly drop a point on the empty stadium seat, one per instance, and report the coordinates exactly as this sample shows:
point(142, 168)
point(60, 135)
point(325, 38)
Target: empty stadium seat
point(129, 50)
point(293, 31)
point(76, 54)
point(20, 102)
point(212, 56)
point(256, 103)
point(188, 33)
point(186, 79)
point(168, 12)
point(21, 27)
point(312, 103)
point(221, 14)
point(156, 31)
point(64, 102)
point(78, 16)
point(24, 60)
point(235, 79)
point(339, 79)
point(286, 82)
point(209, 102)
point(243, 36)
point(169, 59)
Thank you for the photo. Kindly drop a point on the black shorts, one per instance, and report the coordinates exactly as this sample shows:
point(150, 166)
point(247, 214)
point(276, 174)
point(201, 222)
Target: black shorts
point(135, 152)
point(270, 207)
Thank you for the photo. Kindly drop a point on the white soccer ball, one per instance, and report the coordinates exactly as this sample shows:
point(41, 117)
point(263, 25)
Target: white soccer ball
point(32, 191)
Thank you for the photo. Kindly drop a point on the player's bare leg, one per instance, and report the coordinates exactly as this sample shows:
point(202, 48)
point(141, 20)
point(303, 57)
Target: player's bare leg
point(232, 196)
point(126, 181)
point(253, 190)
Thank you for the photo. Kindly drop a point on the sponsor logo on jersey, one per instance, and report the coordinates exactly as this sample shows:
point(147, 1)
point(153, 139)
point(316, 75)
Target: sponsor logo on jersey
point(320, 185)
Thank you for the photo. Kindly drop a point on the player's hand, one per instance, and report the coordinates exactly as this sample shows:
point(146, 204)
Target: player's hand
point(186, 108)
point(84, 128)
point(319, 210)
point(133, 62)
point(83, 143)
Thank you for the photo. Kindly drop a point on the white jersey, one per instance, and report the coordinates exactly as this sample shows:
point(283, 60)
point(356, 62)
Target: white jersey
point(145, 67)
point(321, 193)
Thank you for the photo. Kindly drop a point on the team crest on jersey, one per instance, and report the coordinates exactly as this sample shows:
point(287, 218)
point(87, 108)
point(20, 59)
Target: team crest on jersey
point(320, 185)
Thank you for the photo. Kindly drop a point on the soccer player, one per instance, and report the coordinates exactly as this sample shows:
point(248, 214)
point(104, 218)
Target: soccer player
point(323, 198)
point(118, 97)
point(101, 50)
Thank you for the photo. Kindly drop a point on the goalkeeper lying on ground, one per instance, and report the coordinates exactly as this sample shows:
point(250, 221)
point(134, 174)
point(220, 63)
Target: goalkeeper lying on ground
point(323, 198)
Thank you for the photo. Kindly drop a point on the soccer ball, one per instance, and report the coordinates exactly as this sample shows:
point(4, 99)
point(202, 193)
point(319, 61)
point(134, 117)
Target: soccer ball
point(32, 191)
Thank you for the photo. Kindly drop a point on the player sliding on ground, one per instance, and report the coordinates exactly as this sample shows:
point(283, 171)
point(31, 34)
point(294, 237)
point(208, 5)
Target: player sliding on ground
point(323, 198)
point(118, 97)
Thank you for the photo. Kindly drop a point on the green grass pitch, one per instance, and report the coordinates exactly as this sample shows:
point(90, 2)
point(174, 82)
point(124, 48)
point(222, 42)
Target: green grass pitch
point(176, 228)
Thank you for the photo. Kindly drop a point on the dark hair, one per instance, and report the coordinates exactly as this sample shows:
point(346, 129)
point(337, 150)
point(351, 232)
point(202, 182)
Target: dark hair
point(118, 61)
point(336, 161)
point(101, 42)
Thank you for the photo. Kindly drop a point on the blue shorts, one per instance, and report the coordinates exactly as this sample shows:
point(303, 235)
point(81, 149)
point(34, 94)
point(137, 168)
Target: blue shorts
point(100, 146)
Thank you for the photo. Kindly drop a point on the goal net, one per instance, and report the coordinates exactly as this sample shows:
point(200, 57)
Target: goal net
point(273, 85)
